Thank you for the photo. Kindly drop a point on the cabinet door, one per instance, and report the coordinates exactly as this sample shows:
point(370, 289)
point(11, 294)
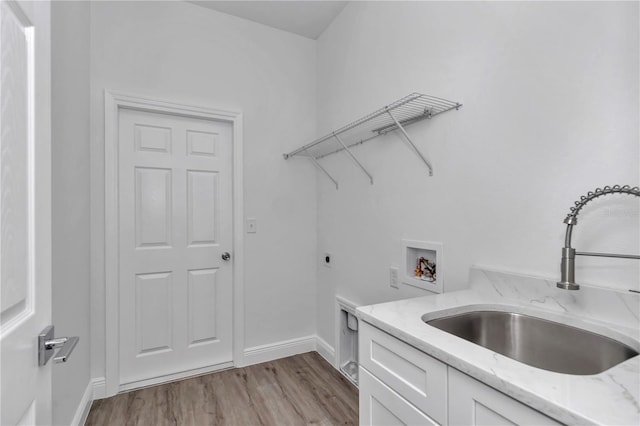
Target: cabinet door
point(417, 377)
point(474, 403)
point(379, 405)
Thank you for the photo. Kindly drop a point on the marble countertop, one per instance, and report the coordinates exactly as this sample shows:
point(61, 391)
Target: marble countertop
point(609, 398)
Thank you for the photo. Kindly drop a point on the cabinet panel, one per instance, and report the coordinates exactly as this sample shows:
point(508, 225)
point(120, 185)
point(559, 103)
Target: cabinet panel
point(417, 377)
point(474, 403)
point(379, 405)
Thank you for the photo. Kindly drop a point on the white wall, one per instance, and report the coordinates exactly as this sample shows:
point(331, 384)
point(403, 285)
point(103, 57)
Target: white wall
point(70, 201)
point(181, 52)
point(550, 94)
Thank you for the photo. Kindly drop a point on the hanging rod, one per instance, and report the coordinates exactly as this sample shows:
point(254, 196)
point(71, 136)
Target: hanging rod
point(395, 116)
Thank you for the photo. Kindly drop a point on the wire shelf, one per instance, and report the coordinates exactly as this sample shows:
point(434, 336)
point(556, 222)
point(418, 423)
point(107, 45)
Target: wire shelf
point(395, 116)
point(408, 110)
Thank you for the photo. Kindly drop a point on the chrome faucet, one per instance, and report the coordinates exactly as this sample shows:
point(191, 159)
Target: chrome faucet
point(568, 266)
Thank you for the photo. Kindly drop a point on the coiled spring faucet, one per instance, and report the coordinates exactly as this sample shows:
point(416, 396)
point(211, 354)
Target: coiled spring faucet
point(567, 280)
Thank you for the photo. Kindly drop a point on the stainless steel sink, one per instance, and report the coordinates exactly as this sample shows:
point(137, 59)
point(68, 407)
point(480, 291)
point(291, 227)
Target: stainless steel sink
point(537, 342)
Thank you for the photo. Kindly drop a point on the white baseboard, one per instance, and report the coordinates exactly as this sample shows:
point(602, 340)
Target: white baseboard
point(254, 355)
point(173, 377)
point(272, 351)
point(82, 412)
point(99, 385)
point(325, 350)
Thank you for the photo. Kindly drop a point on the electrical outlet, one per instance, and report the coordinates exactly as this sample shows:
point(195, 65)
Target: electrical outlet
point(252, 226)
point(327, 260)
point(393, 277)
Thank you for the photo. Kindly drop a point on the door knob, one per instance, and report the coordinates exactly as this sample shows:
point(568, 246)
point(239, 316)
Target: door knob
point(226, 255)
point(47, 345)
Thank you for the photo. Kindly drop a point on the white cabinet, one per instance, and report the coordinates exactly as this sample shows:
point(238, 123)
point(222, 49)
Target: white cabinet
point(381, 406)
point(401, 385)
point(419, 378)
point(474, 403)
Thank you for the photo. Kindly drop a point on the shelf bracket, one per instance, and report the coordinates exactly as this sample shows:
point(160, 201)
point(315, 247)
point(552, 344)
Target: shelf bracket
point(353, 157)
point(415, 148)
point(314, 161)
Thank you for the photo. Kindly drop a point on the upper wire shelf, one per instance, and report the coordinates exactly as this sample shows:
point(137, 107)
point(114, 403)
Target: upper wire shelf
point(395, 116)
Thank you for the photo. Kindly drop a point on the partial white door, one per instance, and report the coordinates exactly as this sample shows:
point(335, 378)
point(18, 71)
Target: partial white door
point(175, 216)
point(25, 206)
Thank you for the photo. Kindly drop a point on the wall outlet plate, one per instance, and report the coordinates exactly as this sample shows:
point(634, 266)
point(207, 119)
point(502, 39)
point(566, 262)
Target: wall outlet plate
point(393, 277)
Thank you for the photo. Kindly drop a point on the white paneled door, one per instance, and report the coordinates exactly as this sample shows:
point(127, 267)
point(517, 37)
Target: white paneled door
point(25, 205)
point(175, 216)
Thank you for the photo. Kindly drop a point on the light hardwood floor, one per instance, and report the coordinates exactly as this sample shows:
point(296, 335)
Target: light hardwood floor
point(298, 390)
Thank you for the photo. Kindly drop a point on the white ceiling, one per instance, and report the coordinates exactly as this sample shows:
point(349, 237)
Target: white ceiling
point(307, 18)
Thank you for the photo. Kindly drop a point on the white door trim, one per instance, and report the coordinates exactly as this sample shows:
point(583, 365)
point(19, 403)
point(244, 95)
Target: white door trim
point(114, 101)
